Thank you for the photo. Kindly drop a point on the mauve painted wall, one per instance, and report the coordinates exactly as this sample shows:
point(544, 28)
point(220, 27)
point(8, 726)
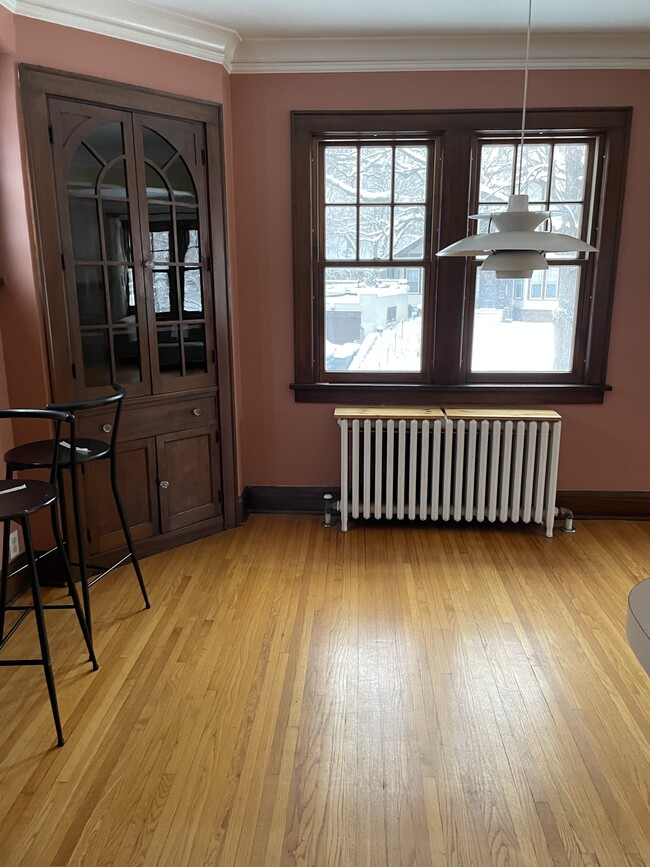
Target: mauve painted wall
point(279, 441)
point(20, 312)
point(605, 447)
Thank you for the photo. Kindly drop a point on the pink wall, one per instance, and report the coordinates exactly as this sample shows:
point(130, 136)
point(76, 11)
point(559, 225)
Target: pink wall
point(20, 312)
point(115, 59)
point(279, 441)
point(8, 156)
point(605, 447)
point(7, 190)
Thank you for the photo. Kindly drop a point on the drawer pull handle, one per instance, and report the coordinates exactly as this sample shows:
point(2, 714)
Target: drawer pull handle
point(196, 411)
point(164, 485)
point(107, 428)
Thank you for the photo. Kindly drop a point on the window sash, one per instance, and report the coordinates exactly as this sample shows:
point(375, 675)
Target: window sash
point(446, 374)
point(585, 264)
point(521, 378)
point(322, 263)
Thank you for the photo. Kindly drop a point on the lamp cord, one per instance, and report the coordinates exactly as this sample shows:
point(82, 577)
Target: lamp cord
point(523, 111)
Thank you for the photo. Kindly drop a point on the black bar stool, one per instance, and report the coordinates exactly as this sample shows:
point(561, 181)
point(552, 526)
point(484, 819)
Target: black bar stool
point(19, 499)
point(71, 456)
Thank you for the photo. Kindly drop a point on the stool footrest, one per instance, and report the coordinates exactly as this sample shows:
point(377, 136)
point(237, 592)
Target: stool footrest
point(107, 570)
point(6, 637)
point(5, 662)
point(37, 557)
point(28, 608)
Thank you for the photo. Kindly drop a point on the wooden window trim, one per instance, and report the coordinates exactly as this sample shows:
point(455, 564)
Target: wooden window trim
point(458, 130)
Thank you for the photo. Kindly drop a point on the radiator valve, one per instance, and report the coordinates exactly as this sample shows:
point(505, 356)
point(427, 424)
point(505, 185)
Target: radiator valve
point(566, 515)
point(327, 518)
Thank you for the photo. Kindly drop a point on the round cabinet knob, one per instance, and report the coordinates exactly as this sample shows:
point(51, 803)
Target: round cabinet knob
point(107, 428)
point(196, 411)
point(149, 263)
point(164, 485)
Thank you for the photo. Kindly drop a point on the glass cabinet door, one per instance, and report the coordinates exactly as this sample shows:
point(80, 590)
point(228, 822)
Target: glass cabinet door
point(96, 186)
point(175, 240)
point(133, 205)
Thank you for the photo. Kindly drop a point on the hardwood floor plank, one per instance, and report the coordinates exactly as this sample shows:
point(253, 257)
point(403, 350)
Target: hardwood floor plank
point(403, 695)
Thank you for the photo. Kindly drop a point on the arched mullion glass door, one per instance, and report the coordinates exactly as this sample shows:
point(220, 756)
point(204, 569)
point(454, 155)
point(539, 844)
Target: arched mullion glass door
point(95, 186)
point(173, 208)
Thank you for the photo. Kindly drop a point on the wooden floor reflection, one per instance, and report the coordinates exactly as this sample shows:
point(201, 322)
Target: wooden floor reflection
point(398, 695)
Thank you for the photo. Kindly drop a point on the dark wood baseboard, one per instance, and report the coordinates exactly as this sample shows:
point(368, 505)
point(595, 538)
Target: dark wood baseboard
point(583, 504)
point(606, 504)
point(286, 498)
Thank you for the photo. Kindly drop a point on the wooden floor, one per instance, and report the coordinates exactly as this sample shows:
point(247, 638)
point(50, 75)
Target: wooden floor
point(398, 695)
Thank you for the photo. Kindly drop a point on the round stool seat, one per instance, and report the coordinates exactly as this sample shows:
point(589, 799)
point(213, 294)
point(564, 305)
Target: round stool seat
point(38, 455)
point(23, 498)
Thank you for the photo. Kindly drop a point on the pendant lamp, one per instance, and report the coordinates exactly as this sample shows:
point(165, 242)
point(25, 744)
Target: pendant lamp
point(515, 248)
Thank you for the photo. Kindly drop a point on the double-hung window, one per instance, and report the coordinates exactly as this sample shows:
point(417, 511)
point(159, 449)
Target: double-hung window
point(374, 257)
point(380, 319)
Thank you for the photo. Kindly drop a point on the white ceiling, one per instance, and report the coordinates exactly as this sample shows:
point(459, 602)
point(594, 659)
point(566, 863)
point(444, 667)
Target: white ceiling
point(337, 35)
point(262, 19)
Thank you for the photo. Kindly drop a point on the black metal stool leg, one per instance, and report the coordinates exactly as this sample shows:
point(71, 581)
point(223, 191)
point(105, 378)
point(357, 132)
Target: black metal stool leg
point(5, 576)
point(72, 590)
point(63, 510)
point(5, 564)
point(81, 552)
point(40, 625)
point(127, 536)
point(58, 520)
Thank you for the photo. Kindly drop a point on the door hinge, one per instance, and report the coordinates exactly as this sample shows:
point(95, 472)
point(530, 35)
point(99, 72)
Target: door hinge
point(218, 496)
point(88, 536)
point(74, 371)
point(214, 356)
point(217, 437)
point(203, 160)
point(50, 133)
point(210, 264)
point(62, 262)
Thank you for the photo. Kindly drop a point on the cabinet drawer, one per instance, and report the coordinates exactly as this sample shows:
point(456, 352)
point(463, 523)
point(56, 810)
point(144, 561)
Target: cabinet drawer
point(148, 421)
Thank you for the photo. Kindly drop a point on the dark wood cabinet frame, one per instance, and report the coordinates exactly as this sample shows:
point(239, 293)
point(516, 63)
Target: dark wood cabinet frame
point(37, 85)
point(445, 377)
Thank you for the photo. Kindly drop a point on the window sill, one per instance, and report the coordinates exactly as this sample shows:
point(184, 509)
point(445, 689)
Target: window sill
point(482, 394)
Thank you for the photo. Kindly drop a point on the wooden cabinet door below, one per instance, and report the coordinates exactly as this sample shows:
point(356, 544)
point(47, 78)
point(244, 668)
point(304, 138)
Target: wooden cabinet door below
point(136, 479)
point(188, 477)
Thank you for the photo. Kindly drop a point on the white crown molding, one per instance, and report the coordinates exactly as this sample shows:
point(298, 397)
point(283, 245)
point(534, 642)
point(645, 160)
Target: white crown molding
point(143, 24)
point(450, 52)
point(137, 22)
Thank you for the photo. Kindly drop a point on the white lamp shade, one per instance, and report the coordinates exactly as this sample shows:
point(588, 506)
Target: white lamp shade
point(513, 264)
point(517, 217)
point(541, 242)
point(516, 231)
